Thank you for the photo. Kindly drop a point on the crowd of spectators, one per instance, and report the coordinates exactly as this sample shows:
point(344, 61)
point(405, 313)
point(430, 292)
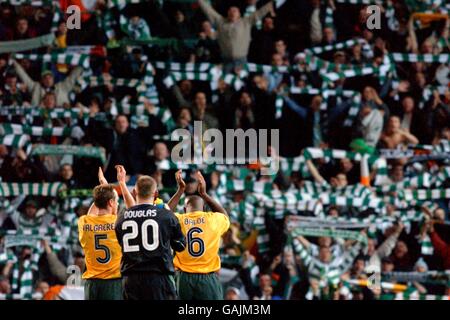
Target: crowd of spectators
point(156, 66)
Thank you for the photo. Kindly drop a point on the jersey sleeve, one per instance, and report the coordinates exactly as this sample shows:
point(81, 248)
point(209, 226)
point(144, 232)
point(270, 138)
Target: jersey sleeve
point(177, 239)
point(222, 221)
point(178, 216)
point(80, 229)
point(117, 228)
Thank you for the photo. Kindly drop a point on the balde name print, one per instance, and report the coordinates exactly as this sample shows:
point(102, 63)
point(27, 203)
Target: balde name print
point(194, 222)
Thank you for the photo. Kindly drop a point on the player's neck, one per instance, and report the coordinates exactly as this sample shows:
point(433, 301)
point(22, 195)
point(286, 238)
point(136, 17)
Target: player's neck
point(145, 201)
point(103, 212)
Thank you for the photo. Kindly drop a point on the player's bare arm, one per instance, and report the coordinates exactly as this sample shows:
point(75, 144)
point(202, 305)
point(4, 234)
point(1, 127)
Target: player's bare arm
point(93, 210)
point(213, 204)
point(121, 178)
point(314, 172)
point(173, 202)
point(101, 177)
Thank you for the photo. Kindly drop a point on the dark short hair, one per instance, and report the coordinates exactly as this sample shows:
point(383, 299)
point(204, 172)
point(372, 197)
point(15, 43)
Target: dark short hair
point(145, 187)
point(102, 195)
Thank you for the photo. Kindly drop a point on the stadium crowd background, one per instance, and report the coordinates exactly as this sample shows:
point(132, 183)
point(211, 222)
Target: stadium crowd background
point(111, 92)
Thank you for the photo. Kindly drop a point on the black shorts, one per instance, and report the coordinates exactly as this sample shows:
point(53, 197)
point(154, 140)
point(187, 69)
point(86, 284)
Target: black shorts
point(149, 286)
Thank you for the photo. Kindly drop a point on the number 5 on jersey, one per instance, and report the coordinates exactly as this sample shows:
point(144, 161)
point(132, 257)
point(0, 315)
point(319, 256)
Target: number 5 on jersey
point(102, 247)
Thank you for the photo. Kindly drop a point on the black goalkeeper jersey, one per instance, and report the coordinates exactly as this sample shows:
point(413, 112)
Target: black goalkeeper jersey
point(147, 234)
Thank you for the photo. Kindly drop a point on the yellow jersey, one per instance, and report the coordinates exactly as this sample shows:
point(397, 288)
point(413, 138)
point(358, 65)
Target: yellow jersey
point(102, 251)
point(203, 231)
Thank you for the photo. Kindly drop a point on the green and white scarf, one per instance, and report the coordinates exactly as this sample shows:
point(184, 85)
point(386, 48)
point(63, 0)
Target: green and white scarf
point(94, 81)
point(79, 151)
point(332, 233)
point(17, 129)
point(141, 31)
point(16, 141)
point(416, 296)
point(337, 46)
point(24, 281)
point(184, 67)
point(45, 189)
point(420, 181)
point(73, 59)
point(412, 57)
point(29, 44)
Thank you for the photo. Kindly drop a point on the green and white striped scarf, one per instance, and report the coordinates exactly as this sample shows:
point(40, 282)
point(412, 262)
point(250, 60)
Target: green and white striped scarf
point(75, 193)
point(337, 46)
point(442, 147)
point(317, 153)
point(34, 3)
point(356, 190)
point(7, 256)
point(18, 129)
point(148, 93)
point(58, 16)
point(353, 111)
point(141, 31)
point(424, 194)
point(356, 71)
point(289, 165)
point(392, 21)
point(326, 273)
point(351, 223)
point(16, 141)
point(176, 76)
point(37, 112)
point(18, 296)
point(329, 17)
point(420, 181)
point(412, 57)
point(184, 67)
point(426, 246)
point(235, 81)
point(279, 102)
point(94, 81)
point(106, 22)
point(247, 185)
point(74, 59)
point(431, 276)
point(249, 10)
point(28, 44)
point(332, 233)
point(440, 178)
point(121, 3)
point(360, 1)
point(416, 296)
point(22, 281)
point(79, 151)
point(264, 68)
point(45, 189)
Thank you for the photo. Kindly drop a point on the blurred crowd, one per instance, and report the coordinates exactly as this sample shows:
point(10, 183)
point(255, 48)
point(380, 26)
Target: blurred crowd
point(135, 71)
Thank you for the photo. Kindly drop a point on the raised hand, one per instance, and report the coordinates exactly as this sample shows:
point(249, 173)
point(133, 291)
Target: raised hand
point(149, 106)
point(121, 174)
point(180, 182)
point(101, 178)
point(201, 184)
